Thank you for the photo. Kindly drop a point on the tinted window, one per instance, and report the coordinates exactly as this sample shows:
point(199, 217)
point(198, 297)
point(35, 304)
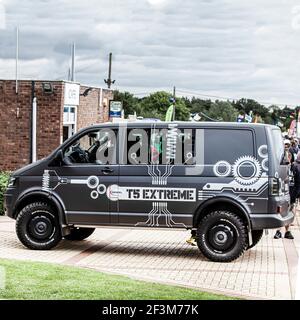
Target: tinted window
point(278, 144)
point(165, 146)
point(228, 145)
point(96, 147)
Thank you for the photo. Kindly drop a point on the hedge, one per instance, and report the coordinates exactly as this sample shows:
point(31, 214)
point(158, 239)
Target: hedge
point(4, 176)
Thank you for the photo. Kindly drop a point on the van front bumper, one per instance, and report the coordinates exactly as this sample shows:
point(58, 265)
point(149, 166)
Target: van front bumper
point(271, 221)
point(8, 208)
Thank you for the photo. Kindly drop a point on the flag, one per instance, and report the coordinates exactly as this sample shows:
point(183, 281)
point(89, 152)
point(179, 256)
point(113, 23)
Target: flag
point(169, 114)
point(298, 124)
point(292, 129)
point(248, 118)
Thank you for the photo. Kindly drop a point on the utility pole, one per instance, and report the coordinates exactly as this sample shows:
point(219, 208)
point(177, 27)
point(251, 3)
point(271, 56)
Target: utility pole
point(17, 60)
point(33, 123)
point(109, 81)
point(174, 97)
point(73, 63)
point(69, 74)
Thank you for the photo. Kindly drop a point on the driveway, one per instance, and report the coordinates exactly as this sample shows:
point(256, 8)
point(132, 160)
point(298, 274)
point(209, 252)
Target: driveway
point(268, 271)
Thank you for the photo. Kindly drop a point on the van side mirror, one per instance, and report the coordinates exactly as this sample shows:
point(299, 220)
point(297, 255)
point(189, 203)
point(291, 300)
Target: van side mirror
point(58, 159)
point(59, 155)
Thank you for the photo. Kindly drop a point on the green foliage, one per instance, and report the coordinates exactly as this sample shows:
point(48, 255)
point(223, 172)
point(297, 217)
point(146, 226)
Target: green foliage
point(4, 176)
point(153, 106)
point(222, 111)
point(131, 104)
point(286, 116)
point(196, 105)
point(263, 114)
point(247, 105)
point(34, 281)
point(159, 102)
point(153, 114)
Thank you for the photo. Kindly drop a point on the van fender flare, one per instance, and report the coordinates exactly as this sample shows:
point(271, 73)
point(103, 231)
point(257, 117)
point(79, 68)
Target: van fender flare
point(51, 197)
point(214, 201)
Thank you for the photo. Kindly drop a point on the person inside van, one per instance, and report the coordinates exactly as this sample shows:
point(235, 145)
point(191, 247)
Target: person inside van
point(295, 189)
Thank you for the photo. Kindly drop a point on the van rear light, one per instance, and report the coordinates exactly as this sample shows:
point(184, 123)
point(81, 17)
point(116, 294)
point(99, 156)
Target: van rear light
point(275, 187)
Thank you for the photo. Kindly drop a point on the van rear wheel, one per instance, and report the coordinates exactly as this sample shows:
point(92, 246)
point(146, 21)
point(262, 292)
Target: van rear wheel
point(78, 234)
point(222, 236)
point(37, 226)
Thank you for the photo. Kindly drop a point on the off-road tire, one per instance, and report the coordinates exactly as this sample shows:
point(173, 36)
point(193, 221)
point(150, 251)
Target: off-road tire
point(78, 234)
point(218, 224)
point(37, 226)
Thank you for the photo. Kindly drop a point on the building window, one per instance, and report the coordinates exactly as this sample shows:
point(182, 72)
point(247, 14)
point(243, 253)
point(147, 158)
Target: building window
point(69, 115)
point(70, 122)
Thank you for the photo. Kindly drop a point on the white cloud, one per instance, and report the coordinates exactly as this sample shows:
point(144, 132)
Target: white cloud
point(2, 15)
point(158, 3)
point(221, 47)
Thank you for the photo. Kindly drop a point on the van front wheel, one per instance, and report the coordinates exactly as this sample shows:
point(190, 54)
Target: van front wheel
point(37, 226)
point(78, 234)
point(222, 236)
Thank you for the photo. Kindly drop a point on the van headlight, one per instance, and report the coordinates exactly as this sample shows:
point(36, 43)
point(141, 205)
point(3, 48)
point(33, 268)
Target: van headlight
point(11, 182)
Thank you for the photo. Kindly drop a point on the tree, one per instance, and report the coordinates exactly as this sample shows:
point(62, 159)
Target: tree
point(222, 111)
point(287, 116)
point(245, 106)
point(158, 104)
point(131, 104)
point(196, 105)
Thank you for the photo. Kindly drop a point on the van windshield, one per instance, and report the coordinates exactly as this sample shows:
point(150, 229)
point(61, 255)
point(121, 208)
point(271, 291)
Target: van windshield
point(278, 145)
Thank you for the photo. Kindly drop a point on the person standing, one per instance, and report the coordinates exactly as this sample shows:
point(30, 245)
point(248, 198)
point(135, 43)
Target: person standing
point(294, 191)
point(296, 173)
point(294, 150)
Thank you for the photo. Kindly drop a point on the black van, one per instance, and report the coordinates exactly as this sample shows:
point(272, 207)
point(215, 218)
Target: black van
point(226, 182)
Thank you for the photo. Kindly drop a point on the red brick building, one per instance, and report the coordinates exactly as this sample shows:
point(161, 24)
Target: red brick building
point(62, 108)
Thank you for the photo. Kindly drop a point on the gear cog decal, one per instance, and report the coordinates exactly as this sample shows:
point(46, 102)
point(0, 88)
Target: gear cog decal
point(222, 169)
point(246, 170)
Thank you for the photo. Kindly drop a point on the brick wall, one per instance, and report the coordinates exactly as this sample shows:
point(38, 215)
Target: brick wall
point(15, 122)
point(88, 109)
point(15, 119)
point(91, 111)
point(107, 96)
point(14, 129)
point(49, 118)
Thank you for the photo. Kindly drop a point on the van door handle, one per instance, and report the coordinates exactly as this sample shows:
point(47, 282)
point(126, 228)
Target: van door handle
point(107, 171)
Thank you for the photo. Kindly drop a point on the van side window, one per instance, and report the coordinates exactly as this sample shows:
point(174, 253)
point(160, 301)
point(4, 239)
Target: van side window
point(278, 145)
point(95, 147)
point(160, 146)
point(227, 145)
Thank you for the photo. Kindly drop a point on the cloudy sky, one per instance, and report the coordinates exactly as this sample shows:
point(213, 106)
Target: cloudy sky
point(227, 48)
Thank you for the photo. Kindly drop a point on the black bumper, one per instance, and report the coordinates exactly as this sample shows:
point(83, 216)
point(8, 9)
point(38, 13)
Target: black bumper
point(8, 208)
point(270, 221)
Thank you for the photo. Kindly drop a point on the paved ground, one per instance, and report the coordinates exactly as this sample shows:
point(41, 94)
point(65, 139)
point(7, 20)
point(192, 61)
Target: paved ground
point(268, 271)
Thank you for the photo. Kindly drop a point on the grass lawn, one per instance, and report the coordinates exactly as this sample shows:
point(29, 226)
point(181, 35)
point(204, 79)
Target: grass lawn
point(33, 280)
